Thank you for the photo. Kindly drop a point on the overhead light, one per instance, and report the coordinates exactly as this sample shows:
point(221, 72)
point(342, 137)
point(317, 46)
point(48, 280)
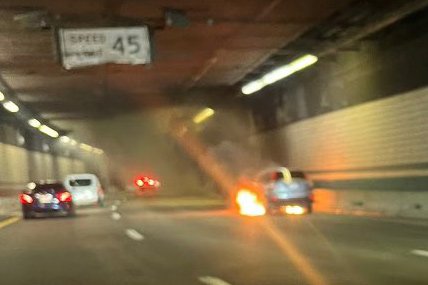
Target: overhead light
point(279, 73)
point(86, 147)
point(48, 131)
point(253, 86)
point(203, 115)
point(34, 123)
point(98, 150)
point(64, 139)
point(11, 107)
point(1, 96)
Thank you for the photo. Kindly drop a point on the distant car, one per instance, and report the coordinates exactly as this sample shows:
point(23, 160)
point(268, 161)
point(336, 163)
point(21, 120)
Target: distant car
point(46, 198)
point(146, 184)
point(85, 188)
point(285, 190)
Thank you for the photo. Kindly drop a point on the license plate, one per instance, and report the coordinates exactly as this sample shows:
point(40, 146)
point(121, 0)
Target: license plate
point(45, 198)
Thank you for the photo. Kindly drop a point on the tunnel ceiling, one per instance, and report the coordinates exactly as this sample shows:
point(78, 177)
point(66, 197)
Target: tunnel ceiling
point(224, 41)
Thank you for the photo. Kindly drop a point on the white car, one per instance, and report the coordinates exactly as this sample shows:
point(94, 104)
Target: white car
point(85, 188)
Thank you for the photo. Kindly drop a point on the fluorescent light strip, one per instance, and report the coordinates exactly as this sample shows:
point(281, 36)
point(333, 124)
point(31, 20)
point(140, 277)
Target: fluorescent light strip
point(203, 115)
point(1, 96)
point(64, 139)
point(11, 107)
point(98, 151)
point(48, 131)
point(86, 147)
point(34, 123)
point(279, 73)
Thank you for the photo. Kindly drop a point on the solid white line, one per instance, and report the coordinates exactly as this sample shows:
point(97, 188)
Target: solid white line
point(420, 252)
point(114, 208)
point(115, 216)
point(133, 234)
point(209, 280)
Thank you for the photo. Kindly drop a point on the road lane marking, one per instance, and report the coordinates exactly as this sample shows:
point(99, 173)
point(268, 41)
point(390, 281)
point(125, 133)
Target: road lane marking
point(115, 216)
point(9, 221)
point(114, 208)
point(209, 280)
point(133, 234)
point(420, 252)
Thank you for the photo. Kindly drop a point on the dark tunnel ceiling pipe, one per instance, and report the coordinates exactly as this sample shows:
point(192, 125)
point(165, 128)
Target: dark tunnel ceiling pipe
point(378, 24)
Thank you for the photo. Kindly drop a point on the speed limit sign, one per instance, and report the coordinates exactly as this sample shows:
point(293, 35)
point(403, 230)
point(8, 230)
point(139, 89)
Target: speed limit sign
point(85, 47)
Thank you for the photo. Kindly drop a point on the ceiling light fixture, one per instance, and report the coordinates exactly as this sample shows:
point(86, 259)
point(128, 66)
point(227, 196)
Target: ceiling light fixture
point(11, 107)
point(48, 131)
point(86, 147)
point(203, 115)
point(64, 139)
point(34, 123)
point(279, 73)
point(98, 151)
point(1, 96)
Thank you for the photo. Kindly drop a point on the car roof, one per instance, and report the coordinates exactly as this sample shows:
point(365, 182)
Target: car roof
point(81, 176)
point(46, 182)
point(42, 184)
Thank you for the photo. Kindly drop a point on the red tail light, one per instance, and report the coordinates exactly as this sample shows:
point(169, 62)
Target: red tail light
point(25, 199)
point(139, 182)
point(64, 196)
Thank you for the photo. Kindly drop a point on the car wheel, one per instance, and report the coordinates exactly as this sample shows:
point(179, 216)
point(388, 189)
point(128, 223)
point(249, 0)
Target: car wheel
point(101, 202)
point(309, 208)
point(71, 213)
point(27, 215)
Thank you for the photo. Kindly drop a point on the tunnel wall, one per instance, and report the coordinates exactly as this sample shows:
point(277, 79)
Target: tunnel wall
point(140, 143)
point(19, 166)
point(370, 158)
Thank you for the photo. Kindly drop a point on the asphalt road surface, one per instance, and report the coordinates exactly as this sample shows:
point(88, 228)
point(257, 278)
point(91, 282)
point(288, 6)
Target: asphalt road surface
point(194, 241)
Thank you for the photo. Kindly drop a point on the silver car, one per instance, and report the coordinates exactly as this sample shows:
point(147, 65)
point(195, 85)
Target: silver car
point(285, 189)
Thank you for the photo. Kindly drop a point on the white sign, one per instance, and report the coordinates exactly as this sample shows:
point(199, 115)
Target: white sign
point(85, 47)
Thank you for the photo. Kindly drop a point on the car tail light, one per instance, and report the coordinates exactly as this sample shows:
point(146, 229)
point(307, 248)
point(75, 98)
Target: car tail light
point(139, 182)
point(274, 198)
point(64, 196)
point(25, 199)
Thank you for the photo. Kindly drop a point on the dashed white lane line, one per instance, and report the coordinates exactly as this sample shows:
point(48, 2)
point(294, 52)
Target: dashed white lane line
point(133, 234)
point(114, 208)
point(115, 216)
point(209, 280)
point(420, 252)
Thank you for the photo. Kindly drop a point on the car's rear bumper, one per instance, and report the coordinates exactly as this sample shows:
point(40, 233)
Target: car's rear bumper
point(63, 207)
point(291, 201)
point(86, 202)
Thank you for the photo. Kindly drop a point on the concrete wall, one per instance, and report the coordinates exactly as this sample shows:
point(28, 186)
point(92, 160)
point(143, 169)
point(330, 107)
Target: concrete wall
point(18, 166)
point(370, 158)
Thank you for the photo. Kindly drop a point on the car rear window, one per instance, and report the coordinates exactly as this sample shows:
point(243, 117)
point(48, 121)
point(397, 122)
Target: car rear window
point(43, 187)
point(80, 182)
point(298, 174)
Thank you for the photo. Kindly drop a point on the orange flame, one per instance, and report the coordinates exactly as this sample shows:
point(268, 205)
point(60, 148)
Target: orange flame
point(249, 204)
